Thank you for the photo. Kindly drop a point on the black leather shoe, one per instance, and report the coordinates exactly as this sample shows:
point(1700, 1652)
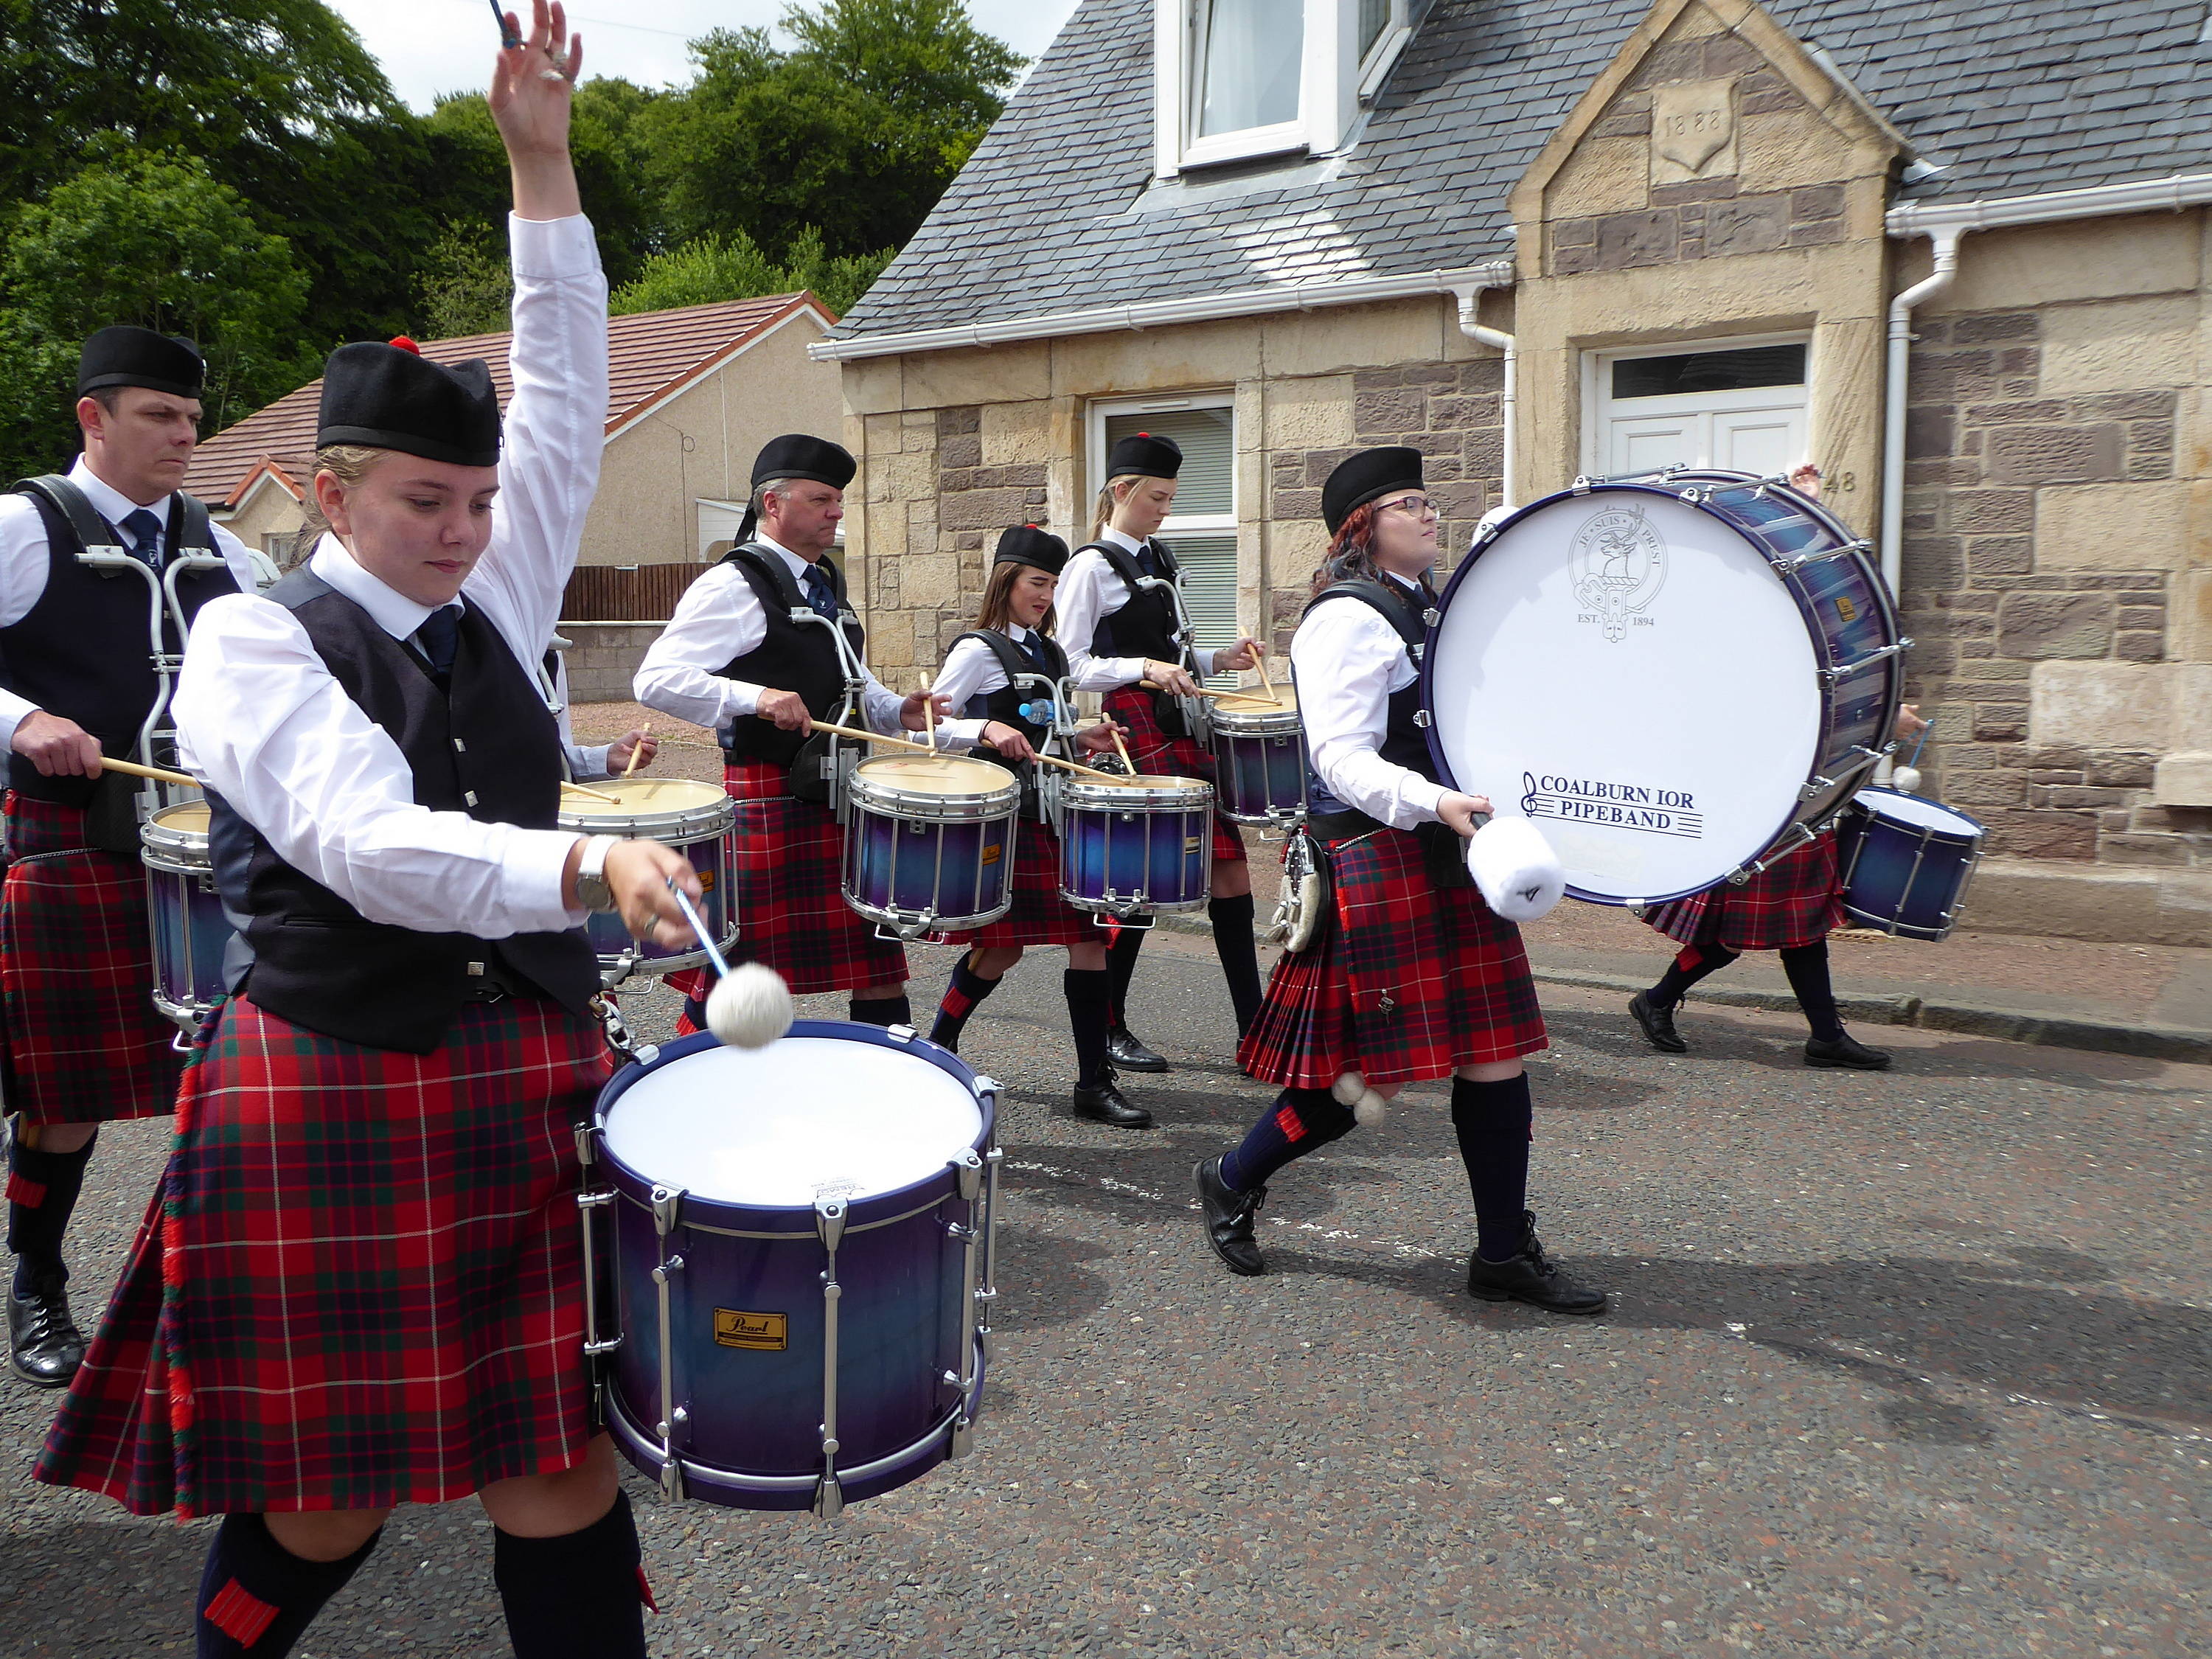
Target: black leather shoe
point(1657, 1024)
point(1846, 1051)
point(1131, 1055)
point(44, 1346)
point(1102, 1102)
point(1530, 1277)
point(1229, 1216)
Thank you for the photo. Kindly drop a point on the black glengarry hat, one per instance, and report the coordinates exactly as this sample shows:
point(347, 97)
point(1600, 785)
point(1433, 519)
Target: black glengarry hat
point(1027, 544)
point(1141, 452)
point(795, 455)
point(1358, 479)
point(123, 355)
point(391, 397)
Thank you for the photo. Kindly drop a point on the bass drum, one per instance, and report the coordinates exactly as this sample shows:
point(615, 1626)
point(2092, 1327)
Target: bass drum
point(1673, 678)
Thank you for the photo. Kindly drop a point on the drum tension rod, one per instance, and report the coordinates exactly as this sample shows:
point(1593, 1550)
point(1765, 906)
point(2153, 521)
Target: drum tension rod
point(1820, 554)
point(1831, 675)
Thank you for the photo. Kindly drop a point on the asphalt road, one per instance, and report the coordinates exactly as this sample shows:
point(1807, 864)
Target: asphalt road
point(1918, 1363)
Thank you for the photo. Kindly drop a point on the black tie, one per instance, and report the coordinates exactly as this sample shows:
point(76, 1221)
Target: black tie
point(145, 532)
point(819, 593)
point(1033, 647)
point(1145, 561)
point(439, 637)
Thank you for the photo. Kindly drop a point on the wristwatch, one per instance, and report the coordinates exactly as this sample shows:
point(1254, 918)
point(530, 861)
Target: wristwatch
point(592, 890)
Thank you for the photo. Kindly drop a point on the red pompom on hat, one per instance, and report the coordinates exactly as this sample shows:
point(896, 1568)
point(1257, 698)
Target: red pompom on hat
point(407, 344)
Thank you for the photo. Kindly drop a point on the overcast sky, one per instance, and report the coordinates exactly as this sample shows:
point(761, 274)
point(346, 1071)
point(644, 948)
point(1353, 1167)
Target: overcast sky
point(430, 46)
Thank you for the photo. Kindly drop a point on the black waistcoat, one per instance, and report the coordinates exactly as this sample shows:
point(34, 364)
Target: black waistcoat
point(490, 749)
point(85, 650)
point(1005, 704)
point(792, 656)
point(1406, 738)
point(1146, 626)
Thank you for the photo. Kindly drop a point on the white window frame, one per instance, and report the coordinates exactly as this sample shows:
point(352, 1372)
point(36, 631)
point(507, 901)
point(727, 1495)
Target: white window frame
point(1330, 88)
point(1597, 373)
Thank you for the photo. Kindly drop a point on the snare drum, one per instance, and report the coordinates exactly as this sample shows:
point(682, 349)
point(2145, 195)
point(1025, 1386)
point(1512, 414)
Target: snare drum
point(1906, 862)
point(1259, 758)
point(1136, 848)
point(183, 912)
point(929, 842)
point(802, 1258)
point(693, 817)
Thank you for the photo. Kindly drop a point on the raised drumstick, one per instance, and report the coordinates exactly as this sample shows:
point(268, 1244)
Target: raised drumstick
point(638, 748)
point(1260, 656)
point(1123, 750)
point(131, 768)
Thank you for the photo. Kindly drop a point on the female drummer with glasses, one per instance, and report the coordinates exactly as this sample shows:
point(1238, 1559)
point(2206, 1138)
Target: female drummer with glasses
point(1410, 977)
point(1013, 637)
point(360, 1285)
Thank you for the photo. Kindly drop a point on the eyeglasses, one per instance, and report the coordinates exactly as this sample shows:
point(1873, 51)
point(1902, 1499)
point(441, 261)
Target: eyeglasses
point(1419, 505)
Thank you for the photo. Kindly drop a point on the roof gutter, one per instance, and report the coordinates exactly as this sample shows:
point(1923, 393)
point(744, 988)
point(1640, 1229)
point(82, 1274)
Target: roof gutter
point(1164, 313)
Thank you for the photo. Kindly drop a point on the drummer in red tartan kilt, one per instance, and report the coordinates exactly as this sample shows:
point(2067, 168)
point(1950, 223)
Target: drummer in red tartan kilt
point(83, 1044)
point(733, 659)
point(981, 677)
point(1120, 625)
point(360, 1282)
point(1791, 907)
point(1409, 975)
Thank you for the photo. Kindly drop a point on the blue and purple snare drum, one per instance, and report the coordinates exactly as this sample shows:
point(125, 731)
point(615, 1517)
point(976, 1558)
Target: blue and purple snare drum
point(1260, 757)
point(183, 912)
point(929, 842)
point(1906, 862)
point(1671, 675)
point(800, 1240)
point(1136, 847)
point(693, 817)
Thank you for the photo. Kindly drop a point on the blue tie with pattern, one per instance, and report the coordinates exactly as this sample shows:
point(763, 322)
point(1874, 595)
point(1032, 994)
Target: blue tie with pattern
point(439, 637)
point(1145, 561)
point(145, 532)
point(1033, 648)
point(819, 593)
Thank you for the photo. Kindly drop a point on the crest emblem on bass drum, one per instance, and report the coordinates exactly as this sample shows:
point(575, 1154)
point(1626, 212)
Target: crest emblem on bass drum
point(1619, 562)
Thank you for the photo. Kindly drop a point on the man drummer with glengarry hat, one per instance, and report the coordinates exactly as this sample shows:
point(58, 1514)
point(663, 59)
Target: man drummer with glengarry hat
point(735, 658)
point(78, 678)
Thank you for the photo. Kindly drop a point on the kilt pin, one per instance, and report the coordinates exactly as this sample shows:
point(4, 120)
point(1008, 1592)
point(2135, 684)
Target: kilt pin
point(85, 1043)
point(1158, 754)
point(1796, 900)
point(1405, 983)
point(360, 1281)
point(1038, 914)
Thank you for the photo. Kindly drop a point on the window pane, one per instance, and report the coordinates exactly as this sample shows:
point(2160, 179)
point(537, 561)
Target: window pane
point(1206, 485)
point(1373, 14)
point(1209, 592)
point(1709, 371)
point(1249, 75)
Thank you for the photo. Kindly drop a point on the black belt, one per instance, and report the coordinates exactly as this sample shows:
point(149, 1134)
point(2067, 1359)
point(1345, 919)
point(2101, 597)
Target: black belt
point(494, 985)
point(1342, 826)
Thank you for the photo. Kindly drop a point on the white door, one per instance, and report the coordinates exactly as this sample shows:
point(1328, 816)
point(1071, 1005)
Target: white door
point(1741, 408)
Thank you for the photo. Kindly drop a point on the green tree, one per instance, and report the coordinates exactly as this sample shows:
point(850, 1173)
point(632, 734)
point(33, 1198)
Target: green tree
point(715, 268)
point(462, 285)
point(151, 238)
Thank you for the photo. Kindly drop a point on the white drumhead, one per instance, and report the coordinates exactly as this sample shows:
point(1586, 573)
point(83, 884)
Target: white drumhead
point(1895, 804)
point(1632, 673)
point(775, 1126)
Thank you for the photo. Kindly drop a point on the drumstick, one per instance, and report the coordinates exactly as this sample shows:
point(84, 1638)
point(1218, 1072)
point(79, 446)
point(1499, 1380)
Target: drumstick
point(1273, 698)
point(638, 748)
point(908, 742)
point(928, 714)
point(133, 770)
point(595, 794)
point(1123, 750)
point(1260, 656)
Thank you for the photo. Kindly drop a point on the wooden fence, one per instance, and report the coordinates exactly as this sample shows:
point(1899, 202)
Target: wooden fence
point(640, 593)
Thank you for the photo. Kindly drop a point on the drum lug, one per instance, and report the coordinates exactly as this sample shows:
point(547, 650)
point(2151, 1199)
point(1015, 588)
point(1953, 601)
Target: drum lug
point(667, 1202)
point(1814, 787)
point(1584, 484)
point(900, 1033)
point(963, 1437)
point(829, 1498)
point(968, 1170)
point(1421, 717)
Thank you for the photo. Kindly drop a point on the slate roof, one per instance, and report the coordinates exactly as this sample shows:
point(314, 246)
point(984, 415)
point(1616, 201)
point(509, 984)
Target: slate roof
point(1053, 212)
point(650, 356)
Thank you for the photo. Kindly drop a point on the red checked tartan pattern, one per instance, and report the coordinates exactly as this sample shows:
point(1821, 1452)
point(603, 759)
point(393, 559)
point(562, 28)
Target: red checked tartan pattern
point(1405, 984)
point(1038, 914)
point(84, 1044)
point(786, 884)
point(360, 1280)
point(1154, 751)
point(1796, 900)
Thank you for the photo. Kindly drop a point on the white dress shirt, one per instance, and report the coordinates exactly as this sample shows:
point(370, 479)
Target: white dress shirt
point(971, 668)
point(261, 720)
point(24, 560)
point(719, 619)
point(1090, 590)
point(1348, 661)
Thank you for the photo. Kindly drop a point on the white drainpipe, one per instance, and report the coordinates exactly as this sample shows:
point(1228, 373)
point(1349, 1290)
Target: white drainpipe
point(1470, 299)
point(1946, 241)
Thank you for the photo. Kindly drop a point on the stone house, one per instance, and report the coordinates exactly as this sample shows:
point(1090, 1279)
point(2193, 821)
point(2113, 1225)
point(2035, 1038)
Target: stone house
point(1955, 256)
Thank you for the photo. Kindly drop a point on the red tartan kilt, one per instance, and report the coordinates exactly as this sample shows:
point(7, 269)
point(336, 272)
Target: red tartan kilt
point(85, 1043)
point(787, 873)
point(1154, 752)
point(1405, 983)
point(1796, 900)
point(360, 1280)
point(1038, 914)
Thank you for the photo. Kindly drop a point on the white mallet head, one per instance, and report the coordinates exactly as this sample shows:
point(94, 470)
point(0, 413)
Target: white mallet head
point(751, 1008)
point(1906, 778)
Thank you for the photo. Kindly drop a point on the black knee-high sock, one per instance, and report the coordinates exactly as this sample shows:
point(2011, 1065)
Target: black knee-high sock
point(1240, 961)
point(1808, 968)
point(1694, 963)
point(42, 1189)
point(581, 1595)
point(881, 1011)
point(257, 1597)
point(1122, 963)
point(1492, 1121)
point(1090, 996)
point(968, 988)
point(1299, 1121)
